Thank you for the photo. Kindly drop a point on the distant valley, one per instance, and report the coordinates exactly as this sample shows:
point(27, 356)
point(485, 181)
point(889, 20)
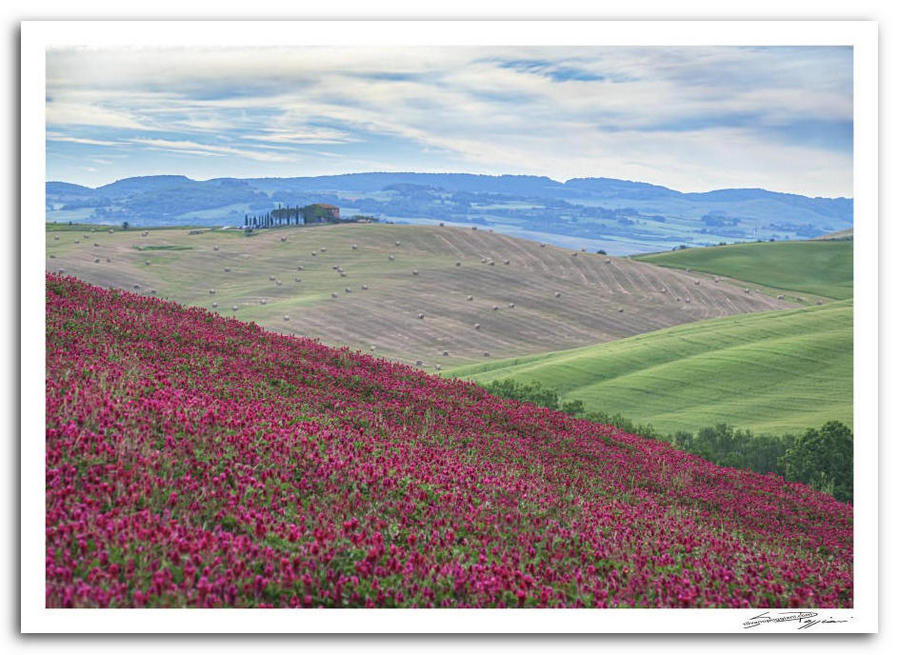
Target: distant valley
point(616, 216)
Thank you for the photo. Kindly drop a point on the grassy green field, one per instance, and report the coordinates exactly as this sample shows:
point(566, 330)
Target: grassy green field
point(824, 268)
point(772, 372)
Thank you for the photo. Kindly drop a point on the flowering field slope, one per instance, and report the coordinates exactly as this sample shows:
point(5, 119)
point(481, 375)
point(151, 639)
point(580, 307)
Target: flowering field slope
point(194, 460)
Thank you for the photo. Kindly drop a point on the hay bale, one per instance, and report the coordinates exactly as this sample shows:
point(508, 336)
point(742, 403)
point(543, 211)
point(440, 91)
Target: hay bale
point(111, 231)
point(300, 268)
point(353, 246)
point(459, 263)
point(780, 296)
point(152, 292)
point(818, 302)
point(372, 347)
point(415, 272)
point(495, 308)
point(333, 294)
point(478, 326)
point(277, 283)
point(322, 249)
point(262, 301)
point(96, 245)
point(512, 305)
point(697, 282)
point(286, 317)
point(486, 353)
point(445, 353)
point(313, 254)
point(687, 300)
point(215, 304)
point(52, 256)
point(212, 292)
point(746, 290)
point(334, 267)
point(396, 243)
point(77, 241)
point(440, 225)
point(234, 308)
point(543, 245)
point(390, 258)
point(491, 263)
point(437, 367)
point(506, 262)
point(365, 287)
point(283, 239)
point(343, 274)
point(56, 237)
point(621, 310)
point(556, 294)
point(677, 299)
point(107, 260)
point(147, 263)
point(136, 286)
point(61, 271)
point(607, 261)
point(468, 297)
point(484, 260)
point(143, 234)
point(474, 228)
point(346, 289)
point(216, 248)
point(227, 269)
point(420, 315)
point(574, 254)
point(418, 362)
point(662, 290)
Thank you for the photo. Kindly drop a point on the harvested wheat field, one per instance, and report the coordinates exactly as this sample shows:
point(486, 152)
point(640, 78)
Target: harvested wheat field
point(404, 290)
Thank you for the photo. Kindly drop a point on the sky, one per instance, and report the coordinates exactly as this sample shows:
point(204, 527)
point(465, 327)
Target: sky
point(690, 118)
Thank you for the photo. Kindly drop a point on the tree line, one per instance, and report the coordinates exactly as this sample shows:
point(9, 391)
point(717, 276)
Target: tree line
point(819, 457)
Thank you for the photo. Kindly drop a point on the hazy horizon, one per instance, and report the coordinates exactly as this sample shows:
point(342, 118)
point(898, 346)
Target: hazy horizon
point(559, 180)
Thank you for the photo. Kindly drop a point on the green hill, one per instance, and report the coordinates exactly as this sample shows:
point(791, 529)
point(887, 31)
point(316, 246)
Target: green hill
point(772, 372)
point(824, 268)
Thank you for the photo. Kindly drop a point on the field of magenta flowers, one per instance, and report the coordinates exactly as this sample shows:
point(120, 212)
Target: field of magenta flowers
point(195, 460)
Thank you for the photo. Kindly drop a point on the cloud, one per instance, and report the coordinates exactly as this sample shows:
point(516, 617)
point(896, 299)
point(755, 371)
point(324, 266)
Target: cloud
point(779, 118)
point(319, 135)
point(55, 136)
point(195, 148)
point(556, 71)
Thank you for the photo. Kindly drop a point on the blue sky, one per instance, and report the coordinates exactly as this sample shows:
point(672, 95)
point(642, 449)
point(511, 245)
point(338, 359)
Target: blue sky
point(691, 118)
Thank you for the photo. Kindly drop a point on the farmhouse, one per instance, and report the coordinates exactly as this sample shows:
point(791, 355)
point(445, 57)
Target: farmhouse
point(316, 213)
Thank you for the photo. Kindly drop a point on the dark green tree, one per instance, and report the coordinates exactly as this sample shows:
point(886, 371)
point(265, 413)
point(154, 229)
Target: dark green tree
point(823, 459)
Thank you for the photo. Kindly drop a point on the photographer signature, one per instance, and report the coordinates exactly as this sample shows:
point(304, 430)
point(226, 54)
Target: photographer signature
point(805, 619)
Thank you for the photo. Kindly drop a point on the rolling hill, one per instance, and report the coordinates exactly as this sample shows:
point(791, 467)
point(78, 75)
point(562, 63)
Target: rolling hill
point(618, 216)
point(822, 267)
point(773, 372)
point(194, 460)
point(543, 299)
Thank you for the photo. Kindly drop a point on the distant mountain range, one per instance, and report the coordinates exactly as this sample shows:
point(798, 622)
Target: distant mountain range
point(618, 216)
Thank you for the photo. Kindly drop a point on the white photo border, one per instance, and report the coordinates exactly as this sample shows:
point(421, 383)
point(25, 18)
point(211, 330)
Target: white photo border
point(38, 36)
